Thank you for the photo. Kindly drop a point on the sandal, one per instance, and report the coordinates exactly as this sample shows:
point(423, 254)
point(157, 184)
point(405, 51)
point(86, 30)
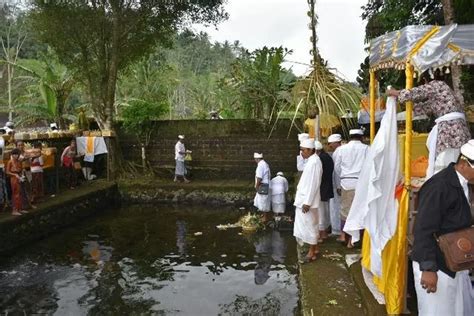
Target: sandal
point(16, 214)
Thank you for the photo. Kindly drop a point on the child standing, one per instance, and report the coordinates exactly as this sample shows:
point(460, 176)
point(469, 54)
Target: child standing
point(67, 161)
point(36, 166)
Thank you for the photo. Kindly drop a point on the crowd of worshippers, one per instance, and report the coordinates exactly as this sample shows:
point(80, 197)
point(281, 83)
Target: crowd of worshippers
point(22, 180)
point(328, 185)
point(324, 192)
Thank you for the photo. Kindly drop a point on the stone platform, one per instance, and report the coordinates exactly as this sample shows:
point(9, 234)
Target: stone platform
point(64, 209)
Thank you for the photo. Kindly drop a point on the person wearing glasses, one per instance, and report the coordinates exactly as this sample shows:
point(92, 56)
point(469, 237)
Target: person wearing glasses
point(443, 208)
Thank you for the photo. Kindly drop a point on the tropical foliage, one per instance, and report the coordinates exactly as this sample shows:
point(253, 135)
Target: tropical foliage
point(53, 82)
point(264, 85)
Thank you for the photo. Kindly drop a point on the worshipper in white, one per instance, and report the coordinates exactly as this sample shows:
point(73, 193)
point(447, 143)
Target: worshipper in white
point(443, 207)
point(348, 161)
point(334, 141)
point(279, 186)
point(326, 190)
point(375, 207)
point(307, 199)
point(179, 155)
point(300, 161)
point(263, 197)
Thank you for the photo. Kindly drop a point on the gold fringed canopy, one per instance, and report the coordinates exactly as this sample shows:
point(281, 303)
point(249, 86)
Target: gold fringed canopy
point(443, 46)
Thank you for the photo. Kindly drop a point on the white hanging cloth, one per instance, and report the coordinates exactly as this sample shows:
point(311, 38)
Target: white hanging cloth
point(375, 207)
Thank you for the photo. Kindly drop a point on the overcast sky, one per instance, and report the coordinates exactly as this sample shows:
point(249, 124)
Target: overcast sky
point(256, 23)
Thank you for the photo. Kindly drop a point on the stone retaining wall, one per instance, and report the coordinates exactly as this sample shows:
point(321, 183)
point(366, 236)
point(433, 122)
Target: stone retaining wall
point(221, 148)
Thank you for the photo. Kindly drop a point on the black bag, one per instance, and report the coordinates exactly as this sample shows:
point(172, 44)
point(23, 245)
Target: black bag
point(263, 189)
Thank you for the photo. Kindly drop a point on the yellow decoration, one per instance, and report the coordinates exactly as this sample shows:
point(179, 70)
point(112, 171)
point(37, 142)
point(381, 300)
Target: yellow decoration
point(372, 105)
point(394, 263)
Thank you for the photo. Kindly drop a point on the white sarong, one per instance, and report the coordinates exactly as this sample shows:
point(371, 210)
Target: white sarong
point(278, 203)
point(306, 227)
point(334, 210)
point(433, 138)
point(454, 297)
point(263, 201)
point(323, 213)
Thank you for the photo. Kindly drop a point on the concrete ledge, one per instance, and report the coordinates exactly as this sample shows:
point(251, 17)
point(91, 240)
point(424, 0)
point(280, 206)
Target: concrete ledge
point(371, 306)
point(63, 210)
point(326, 287)
point(236, 193)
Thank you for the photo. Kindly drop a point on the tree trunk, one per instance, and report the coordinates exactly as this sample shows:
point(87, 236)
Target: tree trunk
point(10, 102)
point(448, 12)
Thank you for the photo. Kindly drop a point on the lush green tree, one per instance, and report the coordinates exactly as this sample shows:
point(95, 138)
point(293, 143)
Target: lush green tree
point(138, 118)
point(100, 38)
point(103, 37)
point(12, 36)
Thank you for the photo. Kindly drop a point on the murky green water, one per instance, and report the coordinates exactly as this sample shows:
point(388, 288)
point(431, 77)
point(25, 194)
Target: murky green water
point(150, 261)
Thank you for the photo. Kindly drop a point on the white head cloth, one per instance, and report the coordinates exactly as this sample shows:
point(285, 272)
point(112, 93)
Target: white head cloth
point(181, 136)
point(334, 138)
point(356, 131)
point(257, 156)
point(279, 173)
point(467, 149)
point(318, 145)
point(307, 143)
point(302, 136)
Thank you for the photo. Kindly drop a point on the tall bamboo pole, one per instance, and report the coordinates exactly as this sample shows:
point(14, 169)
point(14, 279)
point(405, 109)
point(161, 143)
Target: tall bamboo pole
point(372, 105)
point(408, 125)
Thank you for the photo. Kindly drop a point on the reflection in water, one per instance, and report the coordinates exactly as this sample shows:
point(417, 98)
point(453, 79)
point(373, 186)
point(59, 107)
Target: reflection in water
point(270, 246)
point(181, 237)
point(110, 265)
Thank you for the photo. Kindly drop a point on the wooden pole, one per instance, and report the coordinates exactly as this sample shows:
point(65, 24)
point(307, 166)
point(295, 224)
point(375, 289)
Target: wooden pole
point(408, 126)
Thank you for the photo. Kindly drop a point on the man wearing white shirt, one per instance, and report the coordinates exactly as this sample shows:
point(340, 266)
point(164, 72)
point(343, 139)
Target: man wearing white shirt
point(307, 200)
point(179, 154)
point(262, 200)
point(348, 161)
point(279, 186)
point(443, 207)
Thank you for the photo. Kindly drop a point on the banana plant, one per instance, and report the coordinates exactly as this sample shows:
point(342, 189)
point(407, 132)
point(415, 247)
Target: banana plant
point(54, 83)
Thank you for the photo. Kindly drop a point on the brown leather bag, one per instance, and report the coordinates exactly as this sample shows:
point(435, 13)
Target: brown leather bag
point(458, 249)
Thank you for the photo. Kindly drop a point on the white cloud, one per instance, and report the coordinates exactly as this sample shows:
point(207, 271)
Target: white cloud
point(256, 23)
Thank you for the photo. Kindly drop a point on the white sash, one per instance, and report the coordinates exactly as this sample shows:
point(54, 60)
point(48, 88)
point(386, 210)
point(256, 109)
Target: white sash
point(433, 136)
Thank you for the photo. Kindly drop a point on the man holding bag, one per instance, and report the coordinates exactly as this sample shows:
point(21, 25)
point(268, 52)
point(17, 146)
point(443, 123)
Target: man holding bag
point(444, 208)
point(262, 199)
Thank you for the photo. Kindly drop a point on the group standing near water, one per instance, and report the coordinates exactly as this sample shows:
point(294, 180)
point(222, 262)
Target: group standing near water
point(22, 179)
point(327, 186)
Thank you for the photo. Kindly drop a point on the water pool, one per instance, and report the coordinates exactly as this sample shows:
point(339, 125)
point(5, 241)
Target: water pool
point(153, 260)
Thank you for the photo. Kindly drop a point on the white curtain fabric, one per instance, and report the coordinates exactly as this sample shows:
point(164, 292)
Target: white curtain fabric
point(375, 207)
